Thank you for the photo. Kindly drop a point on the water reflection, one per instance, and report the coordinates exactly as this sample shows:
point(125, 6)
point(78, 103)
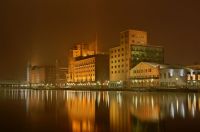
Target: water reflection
point(75, 111)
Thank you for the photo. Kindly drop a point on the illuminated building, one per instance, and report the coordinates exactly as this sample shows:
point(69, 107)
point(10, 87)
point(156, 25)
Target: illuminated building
point(91, 68)
point(120, 55)
point(173, 76)
point(79, 50)
point(132, 50)
point(42, 74)
point(87, 65)
point(145, 74)
point(193, 76)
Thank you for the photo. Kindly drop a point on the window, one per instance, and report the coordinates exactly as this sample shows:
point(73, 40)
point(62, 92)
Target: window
point(118, 50)
point(122, 49)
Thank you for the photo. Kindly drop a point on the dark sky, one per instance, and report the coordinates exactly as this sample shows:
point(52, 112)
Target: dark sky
point(48, 28)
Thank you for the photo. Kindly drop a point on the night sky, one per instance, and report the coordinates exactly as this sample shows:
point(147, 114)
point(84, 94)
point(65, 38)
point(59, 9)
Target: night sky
point(46, 29)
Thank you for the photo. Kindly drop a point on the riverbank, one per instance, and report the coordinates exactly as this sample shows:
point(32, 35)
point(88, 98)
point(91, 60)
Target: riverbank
point(152, 89)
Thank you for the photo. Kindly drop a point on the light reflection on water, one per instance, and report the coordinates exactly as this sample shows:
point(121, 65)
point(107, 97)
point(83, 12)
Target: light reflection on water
point(88, 111)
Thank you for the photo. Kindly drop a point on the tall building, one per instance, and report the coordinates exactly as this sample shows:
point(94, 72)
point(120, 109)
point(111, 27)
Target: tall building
point(132, 50)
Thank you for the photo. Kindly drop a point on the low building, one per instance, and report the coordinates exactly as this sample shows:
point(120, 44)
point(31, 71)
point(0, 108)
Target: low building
point(61, 75)
point(145, 74)
point(173, 76)
point(40, 75)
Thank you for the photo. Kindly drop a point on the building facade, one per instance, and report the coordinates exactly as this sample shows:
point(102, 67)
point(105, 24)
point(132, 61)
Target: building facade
point(120, 55)
point(145, 74)
point(80, 50)
point(90, 69)
point(42, 75)
point(133, 49)
point(172, 76)
point(193, 76)
point(146, 53)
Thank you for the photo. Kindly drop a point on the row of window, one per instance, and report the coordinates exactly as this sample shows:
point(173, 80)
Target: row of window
point(142, 70)
point(115, 51)
point(117, 66)
point(85, 66)
point(193, 77)
point(117, 55)
point(88, 75)
point(84, 70)
point(85, 62)
point(117, 61)
point(119, 71)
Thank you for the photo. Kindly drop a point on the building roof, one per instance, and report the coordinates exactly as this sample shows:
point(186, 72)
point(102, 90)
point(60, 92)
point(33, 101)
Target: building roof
point(155, 64)
point(163, 66)
point(194, 67)
point(147, 45)
point(89, 56)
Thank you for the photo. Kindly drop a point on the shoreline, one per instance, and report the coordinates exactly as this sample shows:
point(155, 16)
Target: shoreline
point(111, 89)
